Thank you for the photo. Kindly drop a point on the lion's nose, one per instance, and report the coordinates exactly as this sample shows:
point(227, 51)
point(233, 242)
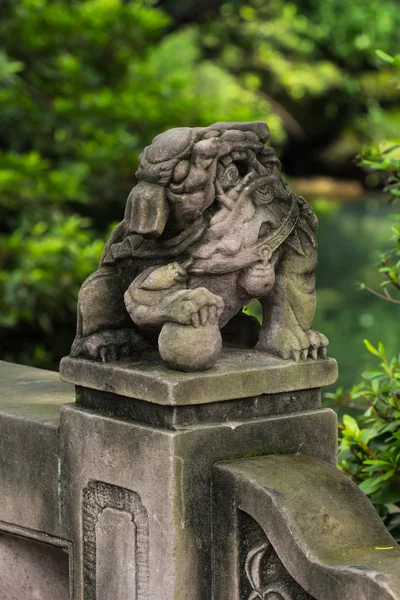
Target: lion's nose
point(147, 210)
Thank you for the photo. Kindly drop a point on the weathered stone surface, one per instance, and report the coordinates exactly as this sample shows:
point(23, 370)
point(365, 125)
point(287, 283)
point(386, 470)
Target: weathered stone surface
point(261, 572)
point(188, 348)
point(115, 528)
point(34, 394)
point(324, 529)
point(169, 474)
point(193, 415)
point(210, 225)
point(116, 542)
point(30, 401)
point(31, 570)
point(132, 493)
point(29, 474)
point(238, 374)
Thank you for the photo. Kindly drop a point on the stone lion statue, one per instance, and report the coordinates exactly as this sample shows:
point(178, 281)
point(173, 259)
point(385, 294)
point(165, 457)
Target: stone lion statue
point(210, 225)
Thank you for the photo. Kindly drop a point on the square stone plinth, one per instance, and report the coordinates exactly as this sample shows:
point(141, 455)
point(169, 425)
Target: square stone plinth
point(238, 374)
point(137, 500)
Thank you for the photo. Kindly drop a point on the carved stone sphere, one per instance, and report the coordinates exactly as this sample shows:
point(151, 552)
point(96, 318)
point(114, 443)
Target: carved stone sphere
point(188, 348)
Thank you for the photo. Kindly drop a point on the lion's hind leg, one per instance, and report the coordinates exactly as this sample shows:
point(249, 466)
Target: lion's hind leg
point(105, 331)
point(288, 310)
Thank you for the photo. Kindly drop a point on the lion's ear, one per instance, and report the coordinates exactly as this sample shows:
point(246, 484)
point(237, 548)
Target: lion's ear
point(147, 210)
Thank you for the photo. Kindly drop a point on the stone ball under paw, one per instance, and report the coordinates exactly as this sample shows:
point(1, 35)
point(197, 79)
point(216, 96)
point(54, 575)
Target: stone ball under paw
point(188, 348)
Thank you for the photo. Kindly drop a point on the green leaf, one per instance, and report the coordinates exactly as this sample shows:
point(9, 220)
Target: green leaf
point(388, 494)
point(391, 149)
point(384, 56)
point(393, 522)
point(390, 427)
point(371, 374)
point(385, 476)
point(371, 348)
point(369, 486)
point(351, 425)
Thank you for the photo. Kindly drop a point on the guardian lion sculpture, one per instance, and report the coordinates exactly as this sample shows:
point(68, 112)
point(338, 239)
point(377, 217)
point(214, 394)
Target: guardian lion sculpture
point(210, 225)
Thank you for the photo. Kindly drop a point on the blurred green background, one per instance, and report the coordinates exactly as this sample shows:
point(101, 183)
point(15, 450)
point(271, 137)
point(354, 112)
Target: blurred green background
point(86, 84)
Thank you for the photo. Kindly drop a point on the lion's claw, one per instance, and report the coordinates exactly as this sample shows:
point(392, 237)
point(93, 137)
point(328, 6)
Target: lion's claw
point(193, 307)
point(318, 343)
point(109, 345)
point(296, 354)
point(295, 344)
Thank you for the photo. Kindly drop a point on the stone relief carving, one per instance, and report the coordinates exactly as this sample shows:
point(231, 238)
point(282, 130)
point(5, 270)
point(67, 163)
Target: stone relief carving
point(262, 573)
point(210, 225)
point(268, 578)
point(98, 498)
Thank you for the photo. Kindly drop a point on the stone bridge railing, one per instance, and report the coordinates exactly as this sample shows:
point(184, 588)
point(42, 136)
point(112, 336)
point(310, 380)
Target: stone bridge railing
point(149, 484)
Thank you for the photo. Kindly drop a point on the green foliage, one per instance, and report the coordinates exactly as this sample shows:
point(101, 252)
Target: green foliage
point(84, 86)
point(316, 62)
point(353, 30)
point(88, 83)
point(40, 267)
point(371, 454)
point(274, 41)
point(392, 60)
point(370, 445)
point(385, 160)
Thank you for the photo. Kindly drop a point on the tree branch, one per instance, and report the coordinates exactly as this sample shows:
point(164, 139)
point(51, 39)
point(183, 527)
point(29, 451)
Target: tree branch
point(387, 297)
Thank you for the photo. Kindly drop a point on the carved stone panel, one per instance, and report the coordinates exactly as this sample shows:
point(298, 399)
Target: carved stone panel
point(115, 543)
point(116, 538)
point(263, 576)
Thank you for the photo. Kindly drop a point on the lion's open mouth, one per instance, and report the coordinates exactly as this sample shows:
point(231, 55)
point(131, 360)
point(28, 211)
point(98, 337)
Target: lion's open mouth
point(236, 168)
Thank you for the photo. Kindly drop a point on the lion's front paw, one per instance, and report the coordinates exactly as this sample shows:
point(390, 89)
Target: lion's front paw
point(193, 307)
point(108, 345)
point(294, 344)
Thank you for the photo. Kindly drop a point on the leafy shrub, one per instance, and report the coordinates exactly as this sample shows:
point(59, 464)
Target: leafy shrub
point(370, 445)
point(316, 61)
point(385, 160)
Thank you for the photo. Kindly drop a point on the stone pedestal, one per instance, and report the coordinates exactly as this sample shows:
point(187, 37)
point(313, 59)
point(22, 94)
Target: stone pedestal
point(137, 451)
point(154, 486)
